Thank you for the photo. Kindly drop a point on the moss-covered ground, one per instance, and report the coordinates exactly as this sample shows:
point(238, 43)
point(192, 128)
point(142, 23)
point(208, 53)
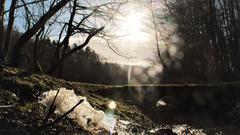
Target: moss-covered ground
point(20, 112)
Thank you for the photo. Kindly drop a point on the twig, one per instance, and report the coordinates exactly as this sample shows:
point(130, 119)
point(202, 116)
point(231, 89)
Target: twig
point(51, 109)
point(64, 115)
point(58, 119)
point(6, 106)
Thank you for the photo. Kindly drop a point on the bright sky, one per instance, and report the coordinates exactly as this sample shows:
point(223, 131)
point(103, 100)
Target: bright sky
point(135, 41)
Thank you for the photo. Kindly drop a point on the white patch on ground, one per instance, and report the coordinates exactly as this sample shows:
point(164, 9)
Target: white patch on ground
point(184, 129)
point(161, 103)
point(124, 122)
point(85, 115)
point(180, 130)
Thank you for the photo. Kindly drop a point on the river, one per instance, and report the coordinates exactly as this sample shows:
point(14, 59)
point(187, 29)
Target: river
point(211, 108)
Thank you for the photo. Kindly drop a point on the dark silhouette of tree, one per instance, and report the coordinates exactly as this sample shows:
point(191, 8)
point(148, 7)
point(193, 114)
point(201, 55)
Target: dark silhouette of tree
point(210, 28)
point(89, 67)
point(9, 29)
point(2, 9)
point(16, 54)
point(40, 22)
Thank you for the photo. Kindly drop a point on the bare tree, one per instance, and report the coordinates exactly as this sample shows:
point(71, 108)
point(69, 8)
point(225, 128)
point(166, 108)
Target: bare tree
point(73, 28)
point(16, 54)
point(211, 28)
point(84, 26)
point(156, 34)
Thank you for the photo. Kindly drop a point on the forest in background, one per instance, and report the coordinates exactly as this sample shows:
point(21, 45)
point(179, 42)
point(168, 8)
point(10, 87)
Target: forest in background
point(208, 31)
point(195, 43)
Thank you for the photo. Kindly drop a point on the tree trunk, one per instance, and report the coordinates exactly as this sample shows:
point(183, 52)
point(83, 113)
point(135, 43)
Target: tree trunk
point(15, 59)
point(2, 8)
point(9, 29)
point(58, 57)
point(37, 66)
point(235, 37)
point(213, 39)
point(54, 66)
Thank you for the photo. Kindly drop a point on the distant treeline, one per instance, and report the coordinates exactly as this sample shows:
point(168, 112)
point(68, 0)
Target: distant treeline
point(87, 66)
point(210, 30)
point(84, 66)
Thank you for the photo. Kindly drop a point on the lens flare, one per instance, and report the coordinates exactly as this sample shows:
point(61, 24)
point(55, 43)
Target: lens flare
point(112, 105)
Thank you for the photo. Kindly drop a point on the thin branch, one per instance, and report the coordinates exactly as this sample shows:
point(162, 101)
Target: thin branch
point(19, 6)
point(90, 36)
point(59, 118)
point(114, 49)
point(51, 108)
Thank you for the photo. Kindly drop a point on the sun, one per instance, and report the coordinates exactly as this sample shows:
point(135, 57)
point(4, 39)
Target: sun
point(131, 26)
point(133, 23)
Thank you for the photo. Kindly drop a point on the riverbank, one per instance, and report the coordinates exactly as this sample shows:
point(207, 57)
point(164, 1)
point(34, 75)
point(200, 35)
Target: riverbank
point(137, 111)
point(21, 113)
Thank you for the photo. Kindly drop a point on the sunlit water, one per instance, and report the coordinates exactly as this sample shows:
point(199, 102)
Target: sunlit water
point(178, 111)
point(98, 121)
point(195, 110)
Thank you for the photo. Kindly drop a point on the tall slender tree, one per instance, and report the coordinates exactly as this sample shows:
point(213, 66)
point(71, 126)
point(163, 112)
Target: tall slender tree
point(9, 29)
point(2, 9)
point(16, 54)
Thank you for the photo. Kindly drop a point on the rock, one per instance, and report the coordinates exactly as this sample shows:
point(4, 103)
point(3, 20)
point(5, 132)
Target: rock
point(167, 103)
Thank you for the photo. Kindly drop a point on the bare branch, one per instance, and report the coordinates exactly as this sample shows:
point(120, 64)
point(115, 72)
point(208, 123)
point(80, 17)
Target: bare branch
point(19, 6)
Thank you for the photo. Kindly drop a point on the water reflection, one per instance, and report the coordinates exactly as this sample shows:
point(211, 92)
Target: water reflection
point(205, 108)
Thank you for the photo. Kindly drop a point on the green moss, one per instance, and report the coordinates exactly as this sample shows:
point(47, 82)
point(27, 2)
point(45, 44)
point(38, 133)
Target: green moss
point(28, 106)
point(124, 111)
point(25, 85)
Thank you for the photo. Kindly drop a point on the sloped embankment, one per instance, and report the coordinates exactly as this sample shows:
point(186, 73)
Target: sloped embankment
point(21, 113)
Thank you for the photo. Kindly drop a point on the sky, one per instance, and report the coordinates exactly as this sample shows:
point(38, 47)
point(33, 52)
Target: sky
point(135, 44)
point(138, 44)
